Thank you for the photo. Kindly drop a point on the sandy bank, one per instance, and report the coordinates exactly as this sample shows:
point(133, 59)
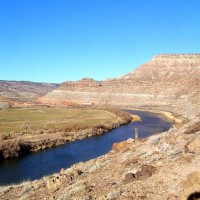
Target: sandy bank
point(168, 115)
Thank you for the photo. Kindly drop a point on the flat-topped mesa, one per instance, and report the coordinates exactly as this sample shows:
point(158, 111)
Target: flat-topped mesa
point(176, 56)
point(167, 82)
point(83, 83)
point(168, 66)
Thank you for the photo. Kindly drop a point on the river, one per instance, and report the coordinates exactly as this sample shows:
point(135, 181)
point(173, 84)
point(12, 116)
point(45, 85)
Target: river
point(42, 163)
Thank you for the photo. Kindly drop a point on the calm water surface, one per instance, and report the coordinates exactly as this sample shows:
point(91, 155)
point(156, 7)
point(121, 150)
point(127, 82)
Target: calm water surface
point(38, 164)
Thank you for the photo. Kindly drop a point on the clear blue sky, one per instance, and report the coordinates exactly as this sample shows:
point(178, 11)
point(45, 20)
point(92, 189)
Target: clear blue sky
point(58, 40)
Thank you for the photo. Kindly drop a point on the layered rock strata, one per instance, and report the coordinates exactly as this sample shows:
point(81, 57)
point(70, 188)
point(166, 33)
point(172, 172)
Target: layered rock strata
point(169, 82)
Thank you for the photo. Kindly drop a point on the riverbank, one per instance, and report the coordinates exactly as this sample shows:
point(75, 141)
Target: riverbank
point(133, 169)
point(176, 119)
point(30, 141)
point(66, 155)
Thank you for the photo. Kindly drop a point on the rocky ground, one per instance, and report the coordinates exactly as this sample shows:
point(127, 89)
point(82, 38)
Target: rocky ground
point(163, 166)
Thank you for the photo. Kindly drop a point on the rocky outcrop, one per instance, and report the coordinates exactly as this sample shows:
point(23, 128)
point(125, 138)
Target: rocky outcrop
point(85, 83)
point(167, 82)
point(191, 186)
point(154, 168)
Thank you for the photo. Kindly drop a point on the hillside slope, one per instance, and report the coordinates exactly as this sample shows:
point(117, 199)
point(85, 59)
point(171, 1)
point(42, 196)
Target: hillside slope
point(167, 82)
point(24, 91)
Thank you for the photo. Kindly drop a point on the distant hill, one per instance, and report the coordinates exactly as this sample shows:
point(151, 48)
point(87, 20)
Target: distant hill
point(24, 91)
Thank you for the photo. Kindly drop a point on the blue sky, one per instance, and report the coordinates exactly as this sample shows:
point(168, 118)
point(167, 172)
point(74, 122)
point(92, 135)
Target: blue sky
point(59, 40)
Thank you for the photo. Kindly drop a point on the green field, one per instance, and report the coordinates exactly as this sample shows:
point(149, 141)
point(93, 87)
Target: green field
point(16, 120)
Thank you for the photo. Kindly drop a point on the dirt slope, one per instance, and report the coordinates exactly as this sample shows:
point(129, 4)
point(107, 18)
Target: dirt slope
point(24, 91)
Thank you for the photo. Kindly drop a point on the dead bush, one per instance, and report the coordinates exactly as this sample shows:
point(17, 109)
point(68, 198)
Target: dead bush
point(4, 136)
point(11, 147)
point(119, 113)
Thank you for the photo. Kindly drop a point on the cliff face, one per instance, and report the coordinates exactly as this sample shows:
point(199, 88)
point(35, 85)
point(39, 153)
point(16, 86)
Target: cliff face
point(168, 82)
point(168, 67)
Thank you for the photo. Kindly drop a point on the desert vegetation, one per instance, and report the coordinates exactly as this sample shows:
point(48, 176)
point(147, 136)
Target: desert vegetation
point(119, 113)
point(22, 121)
point(36, 128)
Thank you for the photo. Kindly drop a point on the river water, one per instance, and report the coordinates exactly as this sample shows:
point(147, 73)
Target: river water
point(42, 163)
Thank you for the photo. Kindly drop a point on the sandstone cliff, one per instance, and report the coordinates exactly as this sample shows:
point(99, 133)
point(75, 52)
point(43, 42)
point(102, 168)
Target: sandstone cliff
point(167, 82)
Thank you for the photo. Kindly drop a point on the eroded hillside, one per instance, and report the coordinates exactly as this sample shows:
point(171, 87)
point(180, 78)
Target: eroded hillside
point(167, 82)
point(24, 91)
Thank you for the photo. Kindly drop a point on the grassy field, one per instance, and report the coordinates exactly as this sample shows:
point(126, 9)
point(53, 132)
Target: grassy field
point(17, 120)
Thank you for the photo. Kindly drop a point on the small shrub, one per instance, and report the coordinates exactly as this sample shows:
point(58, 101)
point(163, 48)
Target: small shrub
point(10, 147)
point(119, 113)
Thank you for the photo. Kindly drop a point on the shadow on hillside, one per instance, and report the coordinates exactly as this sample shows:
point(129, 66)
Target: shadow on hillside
point(194, 196)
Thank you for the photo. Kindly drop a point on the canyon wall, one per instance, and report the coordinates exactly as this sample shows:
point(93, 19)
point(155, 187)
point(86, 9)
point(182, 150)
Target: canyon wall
point(169, 82)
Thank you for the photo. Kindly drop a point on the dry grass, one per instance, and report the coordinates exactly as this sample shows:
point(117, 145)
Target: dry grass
point(135, 118)
point(119, 113)
point(55, 119)
point(25, 130)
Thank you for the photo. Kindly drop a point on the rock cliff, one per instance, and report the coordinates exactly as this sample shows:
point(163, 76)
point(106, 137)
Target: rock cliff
point(167, 82)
